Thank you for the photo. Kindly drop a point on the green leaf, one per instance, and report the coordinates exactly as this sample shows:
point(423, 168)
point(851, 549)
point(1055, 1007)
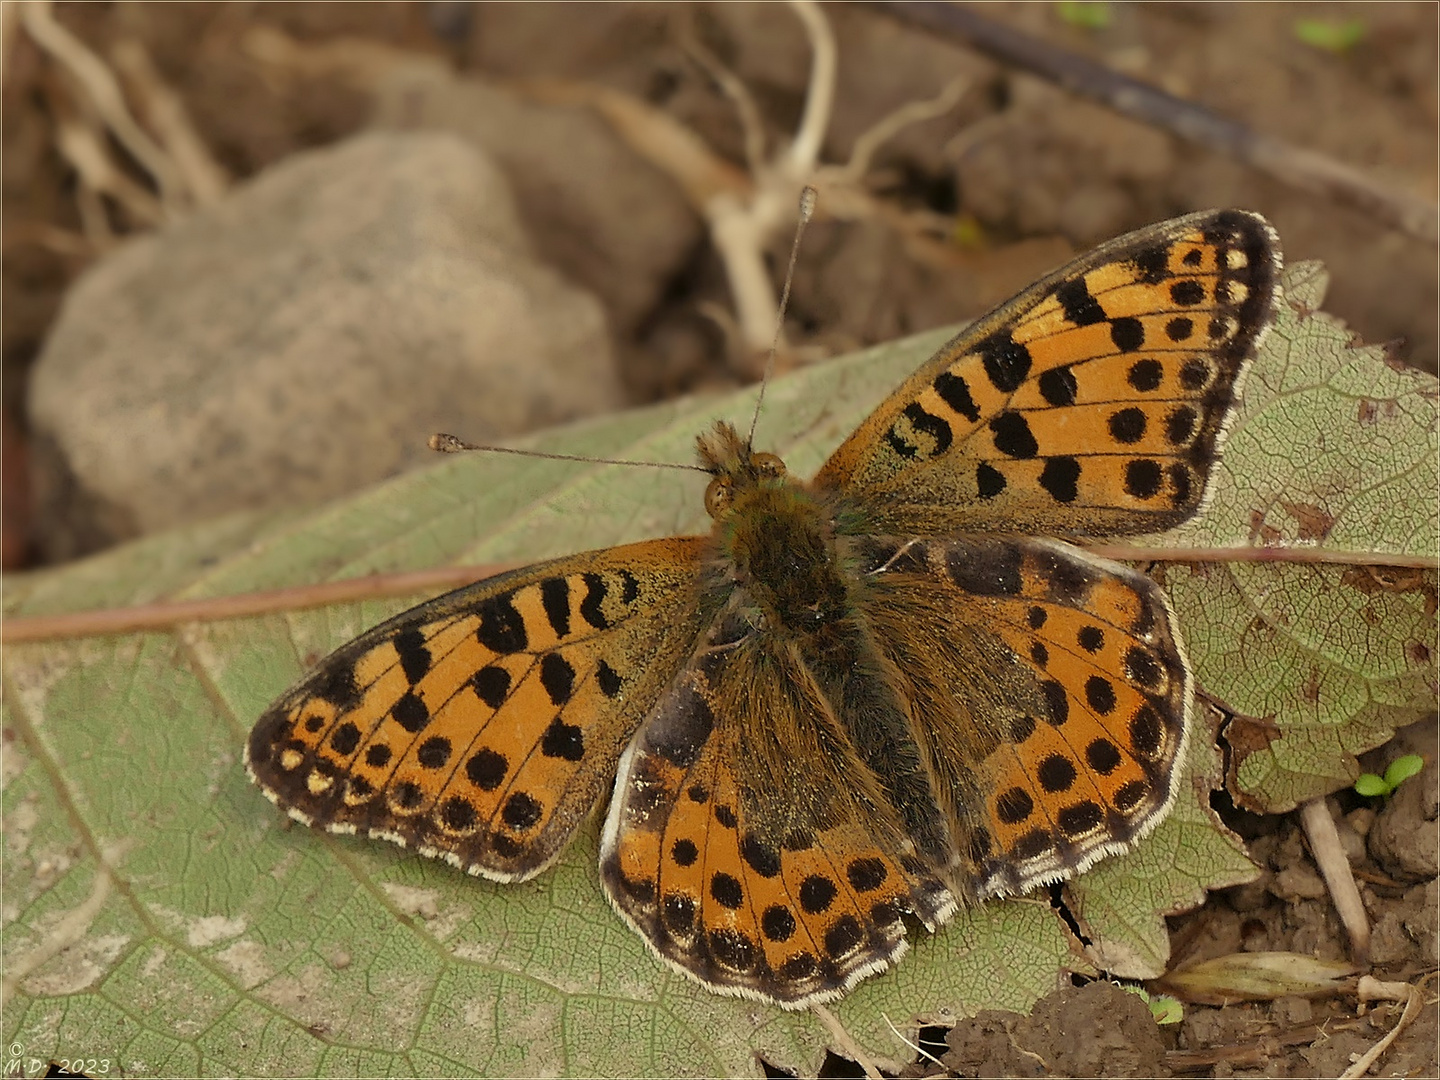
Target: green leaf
point(1370, 785)
point(1333, 451)
point(1166, 1010)
point(1085, 14)
point(1330, 34)
point(161, 913)
point(1402, 768)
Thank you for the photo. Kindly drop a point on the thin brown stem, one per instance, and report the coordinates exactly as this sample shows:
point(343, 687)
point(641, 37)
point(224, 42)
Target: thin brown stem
point(1310, 556)
point(165, 615)
point(168, 614)
point(1296, 166)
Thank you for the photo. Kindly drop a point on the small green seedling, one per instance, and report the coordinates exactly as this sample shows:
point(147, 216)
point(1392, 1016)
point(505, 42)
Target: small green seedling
point(1400, 770)
point(1164, 1008)
point(1330, 34)
point(1084, 14)
point(968, 233)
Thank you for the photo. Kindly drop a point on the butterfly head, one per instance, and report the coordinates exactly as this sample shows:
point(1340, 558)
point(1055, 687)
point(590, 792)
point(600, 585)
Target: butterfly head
point(735, 469)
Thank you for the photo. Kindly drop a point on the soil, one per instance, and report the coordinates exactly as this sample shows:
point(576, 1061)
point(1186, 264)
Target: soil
point(1023, 174)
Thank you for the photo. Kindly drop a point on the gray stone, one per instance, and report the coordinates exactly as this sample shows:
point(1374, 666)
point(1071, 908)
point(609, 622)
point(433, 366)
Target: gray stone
point(304, 338)
point(593, 207)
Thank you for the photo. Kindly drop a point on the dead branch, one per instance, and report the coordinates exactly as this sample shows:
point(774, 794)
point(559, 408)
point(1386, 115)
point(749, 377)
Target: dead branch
point(1296, 166)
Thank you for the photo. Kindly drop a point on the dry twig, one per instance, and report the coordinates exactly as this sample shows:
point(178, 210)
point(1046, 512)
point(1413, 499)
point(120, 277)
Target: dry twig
point(81, 142)
point(1300, 168)
point(201, 176)
point(1374, 990)
point(1324, 841)
point(844, 1042)
point(103, 91)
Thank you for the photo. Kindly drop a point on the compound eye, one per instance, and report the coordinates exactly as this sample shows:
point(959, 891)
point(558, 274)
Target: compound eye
point(718, 496)
point(768, 465)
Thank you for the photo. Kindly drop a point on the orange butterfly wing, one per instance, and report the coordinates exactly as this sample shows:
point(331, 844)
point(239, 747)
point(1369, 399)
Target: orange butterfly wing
point(1092, 404)
point(483, 726)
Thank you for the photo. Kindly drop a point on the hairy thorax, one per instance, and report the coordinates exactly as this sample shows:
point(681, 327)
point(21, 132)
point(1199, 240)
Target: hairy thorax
point(780, 544)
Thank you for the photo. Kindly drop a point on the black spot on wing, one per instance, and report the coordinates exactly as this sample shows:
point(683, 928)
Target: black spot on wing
point(1034, 843)
point(555, 598)
point(414, 656)
point(1061, 479)
point(955, 392)
point(1145, 375)
point(1058, 386)
point(1127, 426)
point(590, 608)
point(1056, 773)
point(1142, 478)
point(1103, 756)
point(1007, 362)
point(378, 755)
point(1187, 293)
point(502, 629)
point(687, 723)
point(521, 811)
point(609, 679)
point(759, 856)
point(1127, 333)
point(1057, 702)
point(1013, 436)
point(1152, 264)
point(1079, 306)
point(345, 739)
point(933, 426)
point(410, 712)
point(562, 740)
point(492, 685)
point(1014, 806)
point(486, 769)
point(777, 924)
point(337, 685)
point(988, 570)
point(434, 752)
point(817, 893)
point(629, 587)
point(557, 676)
point(1080, 818)
point(989, 480)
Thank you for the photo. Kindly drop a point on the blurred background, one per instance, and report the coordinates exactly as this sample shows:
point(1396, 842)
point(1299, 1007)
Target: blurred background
point(254, 253)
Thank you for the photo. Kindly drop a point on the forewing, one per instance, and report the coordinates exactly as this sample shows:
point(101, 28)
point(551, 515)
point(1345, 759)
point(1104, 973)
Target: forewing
point(740, 843)
point(1091, 404)
point(1049, 690)
point(483, 726)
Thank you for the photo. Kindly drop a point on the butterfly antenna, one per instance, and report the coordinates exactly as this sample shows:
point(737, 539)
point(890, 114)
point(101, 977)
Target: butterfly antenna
point(449, 444)
point(807, 210)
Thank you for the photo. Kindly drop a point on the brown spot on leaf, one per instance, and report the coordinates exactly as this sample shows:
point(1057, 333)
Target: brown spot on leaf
point(1371, 410)
point(1243, 735)
point(1393, 579)
point(1314, 523)
point(1267, 535)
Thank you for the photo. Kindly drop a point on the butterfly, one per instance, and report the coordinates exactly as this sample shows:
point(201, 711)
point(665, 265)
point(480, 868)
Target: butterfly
point(886, 693)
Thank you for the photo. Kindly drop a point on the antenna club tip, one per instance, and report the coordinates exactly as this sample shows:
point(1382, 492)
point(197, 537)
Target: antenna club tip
point(808, 195)
point(445, 444)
